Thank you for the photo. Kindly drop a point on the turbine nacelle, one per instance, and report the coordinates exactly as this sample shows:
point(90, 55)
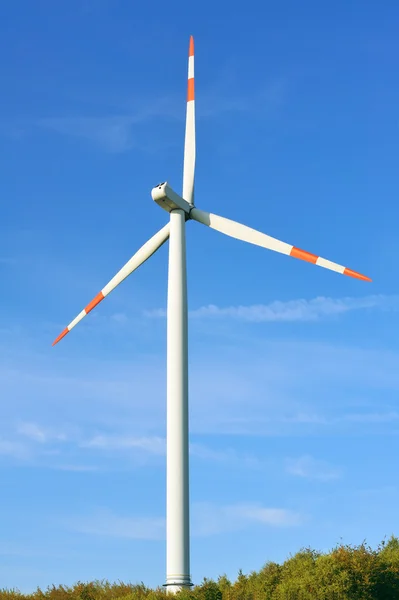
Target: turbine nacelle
point(167, 199)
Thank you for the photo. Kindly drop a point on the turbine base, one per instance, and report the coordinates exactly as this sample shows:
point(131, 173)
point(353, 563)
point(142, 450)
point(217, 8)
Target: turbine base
point(175, 585)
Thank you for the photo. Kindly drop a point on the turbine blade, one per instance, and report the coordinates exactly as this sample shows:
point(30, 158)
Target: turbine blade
point(147, 250)
point(247, 234)
point(189, 142)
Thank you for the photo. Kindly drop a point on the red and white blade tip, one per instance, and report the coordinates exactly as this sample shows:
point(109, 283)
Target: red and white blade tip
point(351, 273)
point(190, 87)
point(100, 296)
point(322, 262)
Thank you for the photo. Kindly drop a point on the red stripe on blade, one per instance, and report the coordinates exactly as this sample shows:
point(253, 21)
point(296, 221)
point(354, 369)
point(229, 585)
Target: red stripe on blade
point(94, 302)
point(63, 334)
point(303, 255)
point(190, 89)
point(191, 48)
point(351, 273)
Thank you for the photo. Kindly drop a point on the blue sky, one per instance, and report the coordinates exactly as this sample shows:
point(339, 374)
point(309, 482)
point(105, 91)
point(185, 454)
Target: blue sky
point(294, 370)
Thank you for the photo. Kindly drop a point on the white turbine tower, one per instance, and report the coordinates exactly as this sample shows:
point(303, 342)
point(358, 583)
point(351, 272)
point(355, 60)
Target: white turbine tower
point(182, 209)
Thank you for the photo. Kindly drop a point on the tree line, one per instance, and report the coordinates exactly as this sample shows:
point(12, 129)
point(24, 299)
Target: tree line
point(345, 573)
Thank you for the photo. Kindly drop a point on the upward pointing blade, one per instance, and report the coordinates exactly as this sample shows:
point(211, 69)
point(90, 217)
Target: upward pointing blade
point(189, 142)
point(247, 234)
point(147, 250)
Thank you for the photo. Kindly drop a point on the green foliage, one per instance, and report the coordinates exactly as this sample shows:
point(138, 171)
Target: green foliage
point(345, 573)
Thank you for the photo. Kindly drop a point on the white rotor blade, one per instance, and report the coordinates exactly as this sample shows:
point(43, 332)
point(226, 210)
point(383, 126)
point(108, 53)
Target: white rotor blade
point(147, 250)
point(247, 234)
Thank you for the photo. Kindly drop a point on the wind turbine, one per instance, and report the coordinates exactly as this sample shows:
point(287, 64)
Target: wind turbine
point(182, 209)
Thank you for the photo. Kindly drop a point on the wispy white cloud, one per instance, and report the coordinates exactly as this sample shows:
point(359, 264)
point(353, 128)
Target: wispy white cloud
point(120, 318)
point(227, 456)
point(311, 468)
point(305, 418)
point(370, 417)
point(207, 519)
point(39, 434)
point(111, 133)
point(32, 431)
point(216, 100)
point(292, 310)
point(156, 445)
point(27, 441)
point(38, 446)
point(258, 388)
point(13, 449)
point(281, 425)
point(105, 523)
point(117, 131)
point(76, 468)
point(278, 517)
point(151, 444)
point(31, 444)
point(210, 519)
point(357, 417)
